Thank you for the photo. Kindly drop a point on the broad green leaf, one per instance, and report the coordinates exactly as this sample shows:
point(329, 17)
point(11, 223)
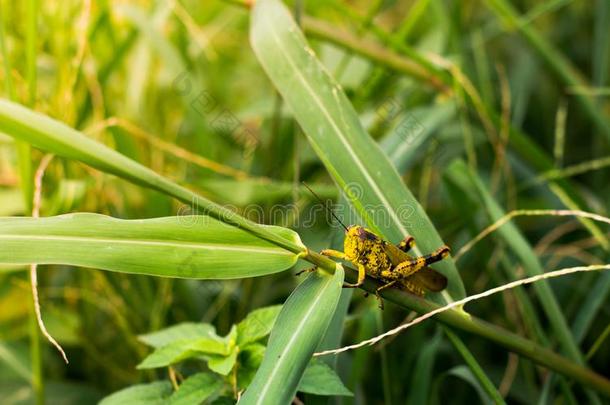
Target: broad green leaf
point(186, 247)
point(320, 379)
point(180, 350)
point(257, 324)
point(353, 159)
point(250, 359)
point(357, 164)
point(223, 364)
point(53, 136)
point(155, 393)
point(181, 331)
point(297, 332)
point(196, 389)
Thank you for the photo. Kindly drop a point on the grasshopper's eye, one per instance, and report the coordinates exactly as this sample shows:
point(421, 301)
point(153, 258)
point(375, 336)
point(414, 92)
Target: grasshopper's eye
point(363, 234)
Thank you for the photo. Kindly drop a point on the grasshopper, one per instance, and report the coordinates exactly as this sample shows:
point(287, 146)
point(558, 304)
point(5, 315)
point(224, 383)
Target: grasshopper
point(390, 263)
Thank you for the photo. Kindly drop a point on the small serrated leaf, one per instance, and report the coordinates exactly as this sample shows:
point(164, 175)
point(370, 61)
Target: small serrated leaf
point(250, 359)
point(257, 324)
point(196, 389)
point(142, 394)
point(297, 332)
point(181, 331)
point(223, 364)
point(183, 349)
point(320, 379)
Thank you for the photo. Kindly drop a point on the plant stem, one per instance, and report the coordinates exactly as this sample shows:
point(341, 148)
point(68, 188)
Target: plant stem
point(24, 152)
point(474, 325)
point(504, 338)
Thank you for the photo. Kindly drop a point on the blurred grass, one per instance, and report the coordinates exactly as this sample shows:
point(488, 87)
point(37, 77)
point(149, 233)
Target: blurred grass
point(383, 51)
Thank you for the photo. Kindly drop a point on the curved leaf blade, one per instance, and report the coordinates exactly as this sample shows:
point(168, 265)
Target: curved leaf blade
point(320, 379)
point(297, 332)
point(181, 331)
point(186, 247)
point(157, 392)
point(353, 159)
point(196, 389)
point(56, 137)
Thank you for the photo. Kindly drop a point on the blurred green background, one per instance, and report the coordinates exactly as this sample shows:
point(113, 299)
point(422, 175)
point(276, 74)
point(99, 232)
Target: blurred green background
point(517, 90)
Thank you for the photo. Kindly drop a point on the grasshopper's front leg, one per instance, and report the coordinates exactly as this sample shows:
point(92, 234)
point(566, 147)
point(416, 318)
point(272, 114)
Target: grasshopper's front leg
point(340, 255)
point(380, 289)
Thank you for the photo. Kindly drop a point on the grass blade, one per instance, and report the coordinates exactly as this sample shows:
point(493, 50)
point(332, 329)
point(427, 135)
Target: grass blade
point(532, 266)
point(297, 332)
point(474, 367)
point(554, 59)
point(56, 137)
point(353, 159)
point(186, 247)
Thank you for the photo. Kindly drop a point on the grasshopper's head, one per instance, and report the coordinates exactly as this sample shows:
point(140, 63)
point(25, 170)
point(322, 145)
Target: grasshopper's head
point(358, 240)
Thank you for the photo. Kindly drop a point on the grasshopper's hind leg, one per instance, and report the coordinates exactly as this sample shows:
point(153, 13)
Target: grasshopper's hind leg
point(406, 244)
point(414, 265)
point(340, 255)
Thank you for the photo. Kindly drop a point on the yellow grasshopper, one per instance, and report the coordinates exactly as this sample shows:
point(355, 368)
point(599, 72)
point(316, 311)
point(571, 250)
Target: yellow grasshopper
point(390, 263)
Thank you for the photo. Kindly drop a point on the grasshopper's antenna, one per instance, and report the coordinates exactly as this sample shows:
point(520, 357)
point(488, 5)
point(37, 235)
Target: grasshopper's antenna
point(325, 206)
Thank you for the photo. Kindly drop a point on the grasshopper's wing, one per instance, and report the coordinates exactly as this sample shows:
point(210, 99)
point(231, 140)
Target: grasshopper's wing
point(396, 255)
point(431, 279)
point(427, 277)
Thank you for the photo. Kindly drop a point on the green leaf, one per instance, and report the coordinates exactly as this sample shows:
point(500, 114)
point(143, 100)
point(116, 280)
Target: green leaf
point(257, 324)
point(461, 175)
point(181, 331)
point(142, 394)
point(53, 136)
point(421, 380)
point(250, 359)
point(223, 364)
point(186, 247)
point(180, 350)
point(297, 332)
point(196, 389)
point(556, 61)
point(465, 374)
point(482, 380)
point(320, 379)
point(353, 159)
